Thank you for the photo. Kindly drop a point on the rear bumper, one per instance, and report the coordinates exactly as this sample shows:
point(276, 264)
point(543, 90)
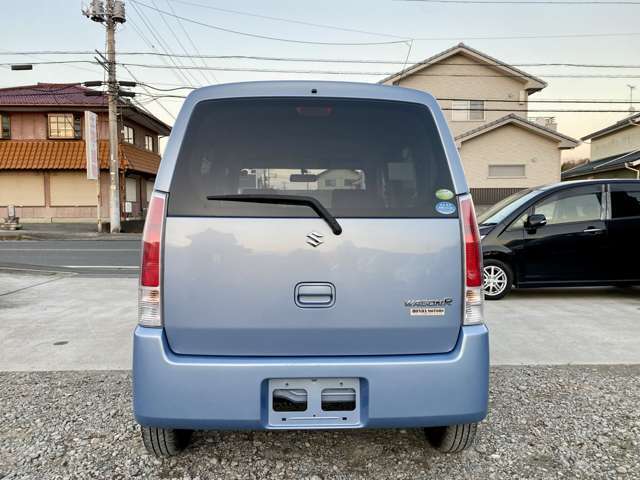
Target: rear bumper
point(201, 392)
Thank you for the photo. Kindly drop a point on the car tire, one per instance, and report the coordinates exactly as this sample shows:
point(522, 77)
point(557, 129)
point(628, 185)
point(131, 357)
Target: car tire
point(452, 438)
point(502, 277)
point(165, 442)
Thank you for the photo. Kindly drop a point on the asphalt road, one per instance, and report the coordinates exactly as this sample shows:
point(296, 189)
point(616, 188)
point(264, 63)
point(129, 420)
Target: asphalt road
point(102, 257)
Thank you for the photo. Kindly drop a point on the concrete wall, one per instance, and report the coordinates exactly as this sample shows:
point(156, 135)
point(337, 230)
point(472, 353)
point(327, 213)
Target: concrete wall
point(615, 143)
point(469, 86)
point(510, 145)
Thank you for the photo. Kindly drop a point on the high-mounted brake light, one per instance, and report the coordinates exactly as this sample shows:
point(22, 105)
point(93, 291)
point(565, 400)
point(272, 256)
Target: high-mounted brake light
point(473, 311)
point(149, 291)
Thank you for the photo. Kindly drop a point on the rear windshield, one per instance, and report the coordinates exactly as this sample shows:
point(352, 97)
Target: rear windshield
point(359, 158)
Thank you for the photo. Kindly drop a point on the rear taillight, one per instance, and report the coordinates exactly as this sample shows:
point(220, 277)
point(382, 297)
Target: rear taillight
point(149, 291)
point(473, 311)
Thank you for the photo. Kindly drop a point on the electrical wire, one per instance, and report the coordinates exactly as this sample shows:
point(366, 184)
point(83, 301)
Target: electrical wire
point(321, 60)
point(343, 72)
point(210, 77)
point(144, 85)
point(150, 28)
point(485, 109)
point(264, 37)
point(528, 2)
point(173, 33)
point(288, 20)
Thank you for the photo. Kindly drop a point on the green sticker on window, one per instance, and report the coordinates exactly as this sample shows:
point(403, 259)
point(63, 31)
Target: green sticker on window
point(444, 194)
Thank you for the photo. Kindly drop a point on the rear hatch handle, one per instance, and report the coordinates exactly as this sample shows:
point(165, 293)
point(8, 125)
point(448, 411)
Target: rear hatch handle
point(310, 202)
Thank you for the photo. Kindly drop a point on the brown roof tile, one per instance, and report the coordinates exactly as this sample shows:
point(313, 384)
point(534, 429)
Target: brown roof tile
point(70, 155)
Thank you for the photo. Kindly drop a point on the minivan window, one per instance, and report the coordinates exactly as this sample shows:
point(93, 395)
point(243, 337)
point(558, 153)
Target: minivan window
point(569, 208)
point(625, 204)
point(358, 158)
point(506, 207)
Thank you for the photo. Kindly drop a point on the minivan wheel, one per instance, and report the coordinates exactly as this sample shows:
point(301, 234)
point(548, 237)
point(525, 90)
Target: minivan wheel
point(165, 442)
point(497, 279)
point(452, 438)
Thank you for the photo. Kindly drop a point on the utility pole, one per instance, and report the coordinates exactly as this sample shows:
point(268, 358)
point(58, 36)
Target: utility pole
point(111, 12)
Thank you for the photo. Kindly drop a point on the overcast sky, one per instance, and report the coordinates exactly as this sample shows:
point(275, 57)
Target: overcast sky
point(59, 25)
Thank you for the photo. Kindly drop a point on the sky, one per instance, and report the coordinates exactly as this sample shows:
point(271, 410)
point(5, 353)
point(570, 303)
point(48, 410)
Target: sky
point(58, 25)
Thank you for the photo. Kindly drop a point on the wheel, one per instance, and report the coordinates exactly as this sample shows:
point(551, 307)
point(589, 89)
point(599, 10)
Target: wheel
point(497, 279)
point(165, 442)
point(452, 438)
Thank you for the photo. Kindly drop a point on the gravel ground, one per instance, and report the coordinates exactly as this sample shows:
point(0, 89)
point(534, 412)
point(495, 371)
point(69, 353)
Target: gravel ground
point(544, 422)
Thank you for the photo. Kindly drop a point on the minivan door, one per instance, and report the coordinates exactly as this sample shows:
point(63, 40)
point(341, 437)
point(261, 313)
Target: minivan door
point(573, 245)
point(624, 231)
point(273, 279)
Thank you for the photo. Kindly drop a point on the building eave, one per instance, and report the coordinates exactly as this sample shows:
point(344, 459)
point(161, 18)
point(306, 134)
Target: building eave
point(564, 141)
point(631, 121)
point(531, 83)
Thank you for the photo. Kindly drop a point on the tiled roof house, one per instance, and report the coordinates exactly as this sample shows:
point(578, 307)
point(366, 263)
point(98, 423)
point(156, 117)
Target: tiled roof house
point(42, 154)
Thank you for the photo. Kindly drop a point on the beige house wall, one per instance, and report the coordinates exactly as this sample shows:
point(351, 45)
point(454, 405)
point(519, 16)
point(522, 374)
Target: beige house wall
point(72, 189)
point(469, 84)
point(22, 188)
point(39, 190)
point(510, 145)
point(615, 143)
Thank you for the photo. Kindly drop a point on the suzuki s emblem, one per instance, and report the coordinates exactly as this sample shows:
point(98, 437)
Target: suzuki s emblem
point(314, 239)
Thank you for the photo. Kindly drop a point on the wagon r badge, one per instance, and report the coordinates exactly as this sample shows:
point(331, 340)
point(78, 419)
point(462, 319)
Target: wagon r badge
point(432, 307)
point(314, 239)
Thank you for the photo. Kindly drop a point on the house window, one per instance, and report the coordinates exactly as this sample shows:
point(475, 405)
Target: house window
point(131, 189)
point(128, 134)
point(467, 110)
point(506, 171)
point(5, 126)
point(148, 142)
point(64, 125)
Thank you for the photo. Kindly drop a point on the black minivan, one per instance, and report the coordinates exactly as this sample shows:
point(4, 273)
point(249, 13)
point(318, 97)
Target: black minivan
point(580, 233)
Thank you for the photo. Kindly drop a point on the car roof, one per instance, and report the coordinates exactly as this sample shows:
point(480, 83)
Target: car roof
point(575, 183)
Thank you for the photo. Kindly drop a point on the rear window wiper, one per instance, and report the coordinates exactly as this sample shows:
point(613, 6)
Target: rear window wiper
point(310, 202)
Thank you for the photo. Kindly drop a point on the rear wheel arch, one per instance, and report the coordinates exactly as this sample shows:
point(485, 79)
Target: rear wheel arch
point(504, 257)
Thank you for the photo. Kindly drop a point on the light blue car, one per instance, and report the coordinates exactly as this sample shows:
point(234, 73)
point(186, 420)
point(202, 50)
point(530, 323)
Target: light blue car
point(311, 260)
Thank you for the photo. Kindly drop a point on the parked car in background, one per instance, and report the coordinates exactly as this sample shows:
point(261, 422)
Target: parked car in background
point(311, 259)
point(581, 233)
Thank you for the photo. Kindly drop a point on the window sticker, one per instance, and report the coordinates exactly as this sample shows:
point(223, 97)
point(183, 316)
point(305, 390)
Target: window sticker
point(445, 208)
point(444, 194)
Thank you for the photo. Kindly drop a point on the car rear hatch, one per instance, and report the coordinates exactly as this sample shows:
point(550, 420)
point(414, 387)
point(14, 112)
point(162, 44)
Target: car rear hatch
point(265, 279)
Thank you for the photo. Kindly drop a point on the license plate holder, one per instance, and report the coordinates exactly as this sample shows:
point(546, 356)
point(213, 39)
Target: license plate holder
point(324, 399)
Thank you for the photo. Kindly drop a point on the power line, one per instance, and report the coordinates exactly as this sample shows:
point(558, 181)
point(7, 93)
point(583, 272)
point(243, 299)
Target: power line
point(264, 37)
point(145, 88)
point(288, 20)
point(151, 86)
point(166, 22)
point(334, 72)
point(329, 60)
point(485, 110)
point(143, 17)
point(530, 2)
point(210, 76)
point(343, 72)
